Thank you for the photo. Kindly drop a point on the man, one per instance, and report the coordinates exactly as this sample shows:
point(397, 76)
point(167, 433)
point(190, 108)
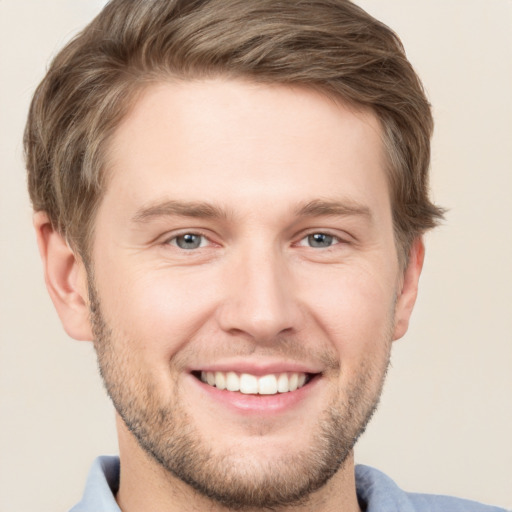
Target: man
point(230, 200)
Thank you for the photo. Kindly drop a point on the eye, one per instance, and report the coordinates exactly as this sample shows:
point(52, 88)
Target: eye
point(189, 241)
point(319, 240)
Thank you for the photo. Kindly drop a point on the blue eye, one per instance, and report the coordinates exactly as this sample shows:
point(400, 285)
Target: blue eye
point(188, 241)
point(320, 240)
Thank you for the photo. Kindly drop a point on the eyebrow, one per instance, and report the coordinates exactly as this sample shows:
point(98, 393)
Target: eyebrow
point(319, 207)
point(168, 208)
point(198, 209)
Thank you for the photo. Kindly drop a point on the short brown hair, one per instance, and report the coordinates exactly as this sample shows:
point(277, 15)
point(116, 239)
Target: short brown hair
point(331, 45)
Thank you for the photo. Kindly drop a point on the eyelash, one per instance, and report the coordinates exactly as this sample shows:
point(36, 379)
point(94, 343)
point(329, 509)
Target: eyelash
point(174, 240)
point(335, 240)
point(309, 236)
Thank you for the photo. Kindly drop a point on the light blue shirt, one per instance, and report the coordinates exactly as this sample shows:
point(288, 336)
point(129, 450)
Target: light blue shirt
point(376, 493)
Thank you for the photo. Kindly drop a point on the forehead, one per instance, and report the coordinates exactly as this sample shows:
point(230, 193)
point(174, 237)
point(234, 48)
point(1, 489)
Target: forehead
point(229, 141)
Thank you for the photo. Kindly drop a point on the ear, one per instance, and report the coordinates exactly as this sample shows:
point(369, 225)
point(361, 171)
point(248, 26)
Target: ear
point(409, 289)
point(65, 277)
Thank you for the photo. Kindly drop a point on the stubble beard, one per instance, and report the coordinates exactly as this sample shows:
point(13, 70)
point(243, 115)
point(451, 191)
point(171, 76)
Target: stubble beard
point(167, 434)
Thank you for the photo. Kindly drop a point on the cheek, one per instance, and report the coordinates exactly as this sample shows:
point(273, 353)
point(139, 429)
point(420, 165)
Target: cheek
point(157, 310)
point(355, 310)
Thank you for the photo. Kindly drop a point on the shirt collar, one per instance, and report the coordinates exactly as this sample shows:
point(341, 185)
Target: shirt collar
point(101, 487)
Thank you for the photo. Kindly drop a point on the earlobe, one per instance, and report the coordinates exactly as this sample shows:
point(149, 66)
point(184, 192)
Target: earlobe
point(65, 278)
point(409, 290)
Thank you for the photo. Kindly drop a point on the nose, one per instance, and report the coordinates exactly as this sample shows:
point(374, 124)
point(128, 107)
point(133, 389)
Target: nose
point(260, 299)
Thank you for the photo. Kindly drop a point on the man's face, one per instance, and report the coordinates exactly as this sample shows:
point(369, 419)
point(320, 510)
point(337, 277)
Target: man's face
point(245, 239)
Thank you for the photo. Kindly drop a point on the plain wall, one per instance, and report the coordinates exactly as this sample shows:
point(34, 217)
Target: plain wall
point(445, 421)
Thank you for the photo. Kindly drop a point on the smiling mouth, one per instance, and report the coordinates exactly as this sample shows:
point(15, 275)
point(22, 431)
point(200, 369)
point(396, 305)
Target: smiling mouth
point(248, 384)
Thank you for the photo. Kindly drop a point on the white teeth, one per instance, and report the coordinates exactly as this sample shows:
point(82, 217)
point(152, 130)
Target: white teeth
point(232, 381)
point(220, 380)
point(248, 384)
point(267, 385)
point(293, 381)
point(282, 383)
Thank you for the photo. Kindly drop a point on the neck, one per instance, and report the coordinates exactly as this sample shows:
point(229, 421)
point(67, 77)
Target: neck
point(146, 485)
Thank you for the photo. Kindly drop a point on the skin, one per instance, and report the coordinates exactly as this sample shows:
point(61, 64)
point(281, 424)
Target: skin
point(254, 170)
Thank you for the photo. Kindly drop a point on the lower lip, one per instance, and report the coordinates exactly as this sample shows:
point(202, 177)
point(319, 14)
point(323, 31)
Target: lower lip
point(258, 404)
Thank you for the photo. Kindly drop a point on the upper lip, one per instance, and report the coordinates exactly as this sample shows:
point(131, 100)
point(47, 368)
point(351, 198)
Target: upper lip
point(257, 368)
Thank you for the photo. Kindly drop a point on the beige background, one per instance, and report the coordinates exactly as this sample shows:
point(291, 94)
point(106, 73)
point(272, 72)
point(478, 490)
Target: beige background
point(445, 423)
